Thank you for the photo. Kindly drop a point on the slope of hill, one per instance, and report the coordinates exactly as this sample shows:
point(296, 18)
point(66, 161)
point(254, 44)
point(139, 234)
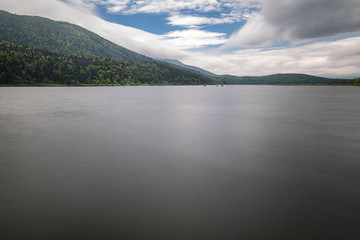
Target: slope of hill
point(178, 63)
point(278, 79)
point(30, 66)
point(60, 37)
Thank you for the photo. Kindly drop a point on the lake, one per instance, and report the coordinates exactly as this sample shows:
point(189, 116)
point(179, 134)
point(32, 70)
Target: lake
point(185, 162)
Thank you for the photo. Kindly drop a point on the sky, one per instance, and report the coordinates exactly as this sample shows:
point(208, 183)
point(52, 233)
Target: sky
point(238, 37)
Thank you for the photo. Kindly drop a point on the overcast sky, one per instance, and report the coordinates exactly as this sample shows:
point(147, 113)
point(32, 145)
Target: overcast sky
point(239, 37)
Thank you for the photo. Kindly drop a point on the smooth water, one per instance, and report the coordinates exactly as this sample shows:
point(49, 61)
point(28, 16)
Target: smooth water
point(233, 162)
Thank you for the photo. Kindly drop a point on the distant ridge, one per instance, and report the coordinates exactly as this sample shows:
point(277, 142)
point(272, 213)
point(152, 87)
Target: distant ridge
point(178, 63)
point(280, 78)
point(60, 37)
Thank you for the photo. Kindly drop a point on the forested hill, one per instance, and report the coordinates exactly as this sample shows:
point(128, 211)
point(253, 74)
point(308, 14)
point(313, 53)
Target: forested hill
point(278, 79)
point(30, 66)
point(178, 63)
point(60, 37)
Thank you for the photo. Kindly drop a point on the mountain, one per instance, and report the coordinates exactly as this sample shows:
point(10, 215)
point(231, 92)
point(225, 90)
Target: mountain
point(275, 79)
point(178, 63)
point(279, 79)
point(40, 51)
point(60, 37)
point(22, 65)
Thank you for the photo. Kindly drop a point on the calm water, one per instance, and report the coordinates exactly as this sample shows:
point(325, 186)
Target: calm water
point(242, 162)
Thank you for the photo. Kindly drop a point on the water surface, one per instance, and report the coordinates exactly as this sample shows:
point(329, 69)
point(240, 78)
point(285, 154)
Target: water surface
point(233, 162)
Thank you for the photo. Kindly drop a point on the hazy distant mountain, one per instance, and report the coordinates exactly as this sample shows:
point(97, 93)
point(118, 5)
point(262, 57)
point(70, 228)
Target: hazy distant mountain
point(275, 79)
point(178, 63)
point(278, 79)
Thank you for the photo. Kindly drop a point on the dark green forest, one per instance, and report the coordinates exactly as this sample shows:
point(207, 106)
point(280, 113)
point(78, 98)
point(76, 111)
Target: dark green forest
point(283, 79)
point(30, 66)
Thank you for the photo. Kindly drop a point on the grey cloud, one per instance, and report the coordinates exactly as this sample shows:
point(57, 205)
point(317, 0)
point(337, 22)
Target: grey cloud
point(299, 20)
point(338, 58)
point(313, 19)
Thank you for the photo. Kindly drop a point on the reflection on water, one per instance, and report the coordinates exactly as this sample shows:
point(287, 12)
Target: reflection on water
point(236, 162)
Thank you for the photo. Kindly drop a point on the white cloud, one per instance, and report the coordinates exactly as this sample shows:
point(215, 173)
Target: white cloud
point(193, 38)
point(171, 6)
point(165, 6)
point(113, 6)
point(298, 20)
point(335, 58)
point(256, 32)
point(193, 21)
point(196, 21)
point(157, 6)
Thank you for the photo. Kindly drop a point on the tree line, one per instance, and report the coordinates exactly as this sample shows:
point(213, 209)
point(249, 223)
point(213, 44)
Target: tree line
point(22, 65)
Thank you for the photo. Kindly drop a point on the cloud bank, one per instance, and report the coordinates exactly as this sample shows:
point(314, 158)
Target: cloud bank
point(193, 38)
point(298, 20)
point(170, 6)
point(330, 58)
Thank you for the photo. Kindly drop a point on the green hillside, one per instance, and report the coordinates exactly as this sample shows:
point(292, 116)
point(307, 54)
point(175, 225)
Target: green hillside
point(178, 63)
point(60, 37)
point(279, 79)
point(30, 66)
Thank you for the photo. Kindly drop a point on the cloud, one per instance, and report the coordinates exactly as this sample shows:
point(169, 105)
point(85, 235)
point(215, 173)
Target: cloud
point(171, 6)
point(256, 32)
point(157, 6)
point(337, 58)
point(193, 38)
point(298, 20)
point(193, 21)
point(113, 6)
